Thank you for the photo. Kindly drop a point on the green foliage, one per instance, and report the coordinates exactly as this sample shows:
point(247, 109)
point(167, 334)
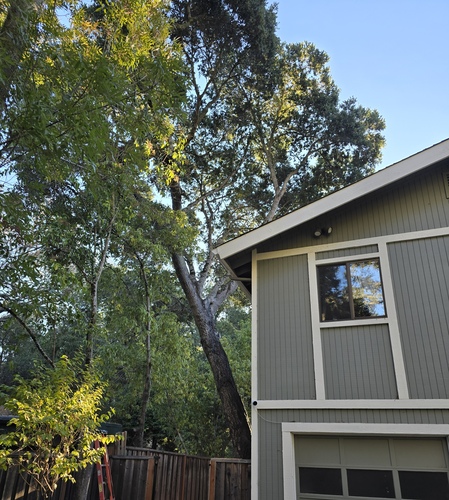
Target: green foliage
point(234, 326)
point(109, 104)
point(57, 419)
point(293, 137)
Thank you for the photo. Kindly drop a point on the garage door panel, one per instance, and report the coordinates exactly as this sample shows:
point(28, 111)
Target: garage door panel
point(367, 452)
point(428, 455)
point(319, 451)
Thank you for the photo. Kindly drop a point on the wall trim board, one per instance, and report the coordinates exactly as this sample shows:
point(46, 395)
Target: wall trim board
point(353, 404)
point(341, 245)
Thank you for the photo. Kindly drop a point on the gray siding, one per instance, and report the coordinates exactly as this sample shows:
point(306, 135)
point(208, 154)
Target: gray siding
point(418, 203)
point(358, 363)
point(270, 435)
point(285, 358)
point(357, 360)
point(420, 272)
point(347, 252)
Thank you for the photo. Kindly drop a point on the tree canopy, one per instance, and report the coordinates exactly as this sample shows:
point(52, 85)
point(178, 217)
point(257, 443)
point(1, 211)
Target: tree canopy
point(135, 137)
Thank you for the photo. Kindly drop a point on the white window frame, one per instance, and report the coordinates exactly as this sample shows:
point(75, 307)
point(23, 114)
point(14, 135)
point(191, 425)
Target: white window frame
point(391, 319)
point(345, 261)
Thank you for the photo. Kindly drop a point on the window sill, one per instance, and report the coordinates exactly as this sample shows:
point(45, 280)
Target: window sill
point(354, 322)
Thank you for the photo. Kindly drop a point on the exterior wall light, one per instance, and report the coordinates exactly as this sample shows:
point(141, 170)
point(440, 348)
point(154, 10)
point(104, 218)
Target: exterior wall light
point(326, 231)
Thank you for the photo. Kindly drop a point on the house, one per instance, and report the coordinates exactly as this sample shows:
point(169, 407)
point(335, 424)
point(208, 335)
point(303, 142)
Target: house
point(350, 363)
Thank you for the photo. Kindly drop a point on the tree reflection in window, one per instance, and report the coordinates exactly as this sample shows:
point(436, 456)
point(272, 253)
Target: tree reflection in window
point(350, 290)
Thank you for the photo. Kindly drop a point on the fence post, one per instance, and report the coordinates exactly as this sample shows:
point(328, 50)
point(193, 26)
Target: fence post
point(212, 477)
point(183, 477)
point(151, 478)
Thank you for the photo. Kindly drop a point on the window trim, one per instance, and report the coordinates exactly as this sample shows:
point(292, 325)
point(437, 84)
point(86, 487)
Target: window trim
point(342, 261)
point(318, 326)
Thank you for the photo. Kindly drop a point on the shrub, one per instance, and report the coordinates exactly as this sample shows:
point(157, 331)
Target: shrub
point(57, 418)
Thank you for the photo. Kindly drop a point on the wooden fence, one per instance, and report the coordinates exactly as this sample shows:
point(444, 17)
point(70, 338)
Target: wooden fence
point(229, 479)
point(143, 474)
point(17, 486)
point(176, 477)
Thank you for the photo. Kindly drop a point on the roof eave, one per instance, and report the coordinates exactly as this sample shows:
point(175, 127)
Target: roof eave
point(361, 188)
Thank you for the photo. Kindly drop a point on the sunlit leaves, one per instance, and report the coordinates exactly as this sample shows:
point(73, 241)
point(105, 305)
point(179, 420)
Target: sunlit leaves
point(57, 418)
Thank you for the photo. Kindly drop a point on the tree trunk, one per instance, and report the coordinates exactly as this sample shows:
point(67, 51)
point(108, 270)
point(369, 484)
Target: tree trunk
point(138, 440)
point(92, 322)
point(232, 404)
point(140, 431)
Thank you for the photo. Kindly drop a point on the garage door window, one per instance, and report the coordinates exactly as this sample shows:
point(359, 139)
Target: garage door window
point(357, 468)
point(370, 483)
point(322, 481)
point(417, 485)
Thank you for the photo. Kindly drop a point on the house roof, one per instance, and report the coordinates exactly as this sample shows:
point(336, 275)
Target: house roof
point(371, 183)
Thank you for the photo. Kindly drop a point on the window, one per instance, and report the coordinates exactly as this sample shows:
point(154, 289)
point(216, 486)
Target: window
point(424, 485)
point(351, 290)
point(320, 480)
point(370, 483)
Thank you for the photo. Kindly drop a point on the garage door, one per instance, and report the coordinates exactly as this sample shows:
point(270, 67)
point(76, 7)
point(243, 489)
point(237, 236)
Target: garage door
point(375, 468)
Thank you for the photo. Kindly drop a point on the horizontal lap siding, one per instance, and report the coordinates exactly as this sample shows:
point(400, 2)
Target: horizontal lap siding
point(420, 272)
point(358, 363)
point(285, 358)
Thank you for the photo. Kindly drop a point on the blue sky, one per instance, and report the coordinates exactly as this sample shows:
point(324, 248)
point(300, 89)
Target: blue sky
point(391, 55)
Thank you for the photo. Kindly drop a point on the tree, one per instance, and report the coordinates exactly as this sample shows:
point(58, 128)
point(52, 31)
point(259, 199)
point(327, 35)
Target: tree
point(265, 133)
point(138, 299)
point(93, 119)
point(303, 142)
point(17, 18)
point(223, 43)
point(57, 420)
point(82, 110)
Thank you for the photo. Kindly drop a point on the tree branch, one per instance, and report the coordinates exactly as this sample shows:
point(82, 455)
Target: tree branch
point(29, 331)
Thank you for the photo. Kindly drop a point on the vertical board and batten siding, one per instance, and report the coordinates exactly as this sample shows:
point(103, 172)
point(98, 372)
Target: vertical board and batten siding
point(357, 360)
point(285, 357)
point(415, 204)
point(346, 252)
point(421, 286)
point(270, 435)
point(358, 363)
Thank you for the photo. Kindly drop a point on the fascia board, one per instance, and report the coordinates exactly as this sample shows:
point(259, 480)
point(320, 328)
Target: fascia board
point(335, 200)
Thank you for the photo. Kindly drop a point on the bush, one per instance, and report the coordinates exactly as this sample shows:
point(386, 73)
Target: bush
point(57, 418)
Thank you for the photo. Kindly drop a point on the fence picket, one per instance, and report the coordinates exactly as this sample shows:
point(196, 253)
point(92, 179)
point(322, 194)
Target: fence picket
point(144, 474)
